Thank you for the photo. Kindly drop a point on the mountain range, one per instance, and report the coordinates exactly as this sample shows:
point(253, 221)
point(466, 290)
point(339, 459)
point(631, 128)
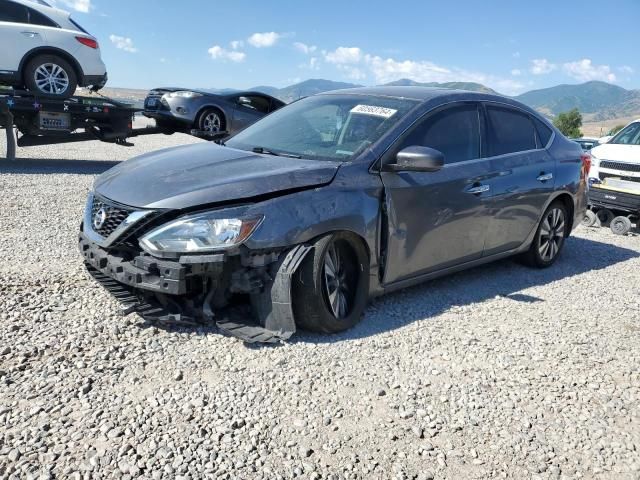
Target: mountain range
point(596, 100)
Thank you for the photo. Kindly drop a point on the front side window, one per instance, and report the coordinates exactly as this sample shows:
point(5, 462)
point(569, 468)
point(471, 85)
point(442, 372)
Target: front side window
point(455, 132)
point(630, 135)
point(324, 127)
point(510, 131)
point(13, 12)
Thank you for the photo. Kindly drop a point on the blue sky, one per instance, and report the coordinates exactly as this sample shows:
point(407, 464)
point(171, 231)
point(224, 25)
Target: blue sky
point(511, 46)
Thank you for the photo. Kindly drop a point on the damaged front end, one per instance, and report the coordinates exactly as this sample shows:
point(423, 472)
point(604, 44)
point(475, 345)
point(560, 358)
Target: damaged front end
point(245, 293)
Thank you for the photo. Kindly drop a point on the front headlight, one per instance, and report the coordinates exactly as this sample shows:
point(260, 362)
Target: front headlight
point(199, 233)
point(183, 94)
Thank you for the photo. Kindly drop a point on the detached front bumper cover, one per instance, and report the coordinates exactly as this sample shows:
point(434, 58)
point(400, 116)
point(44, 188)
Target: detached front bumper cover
point(162, 291)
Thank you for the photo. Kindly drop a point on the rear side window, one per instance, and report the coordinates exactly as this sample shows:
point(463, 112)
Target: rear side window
point(13, 12)
point(510, 131)
point(36, 18)
point(544, 132)
point(454, 131)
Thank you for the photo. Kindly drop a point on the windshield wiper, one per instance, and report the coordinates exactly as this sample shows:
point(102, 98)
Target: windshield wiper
point(266, 151)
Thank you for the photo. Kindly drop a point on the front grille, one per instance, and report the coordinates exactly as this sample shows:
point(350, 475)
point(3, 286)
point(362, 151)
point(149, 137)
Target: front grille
point(625, 167)
point(115, 215)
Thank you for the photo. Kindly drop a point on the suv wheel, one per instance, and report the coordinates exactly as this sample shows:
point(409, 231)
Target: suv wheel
point(550, 237)
point(50, 76)
point(330, 289)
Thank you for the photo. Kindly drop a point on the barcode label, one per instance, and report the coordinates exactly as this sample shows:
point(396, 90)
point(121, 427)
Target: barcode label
point(373, 110)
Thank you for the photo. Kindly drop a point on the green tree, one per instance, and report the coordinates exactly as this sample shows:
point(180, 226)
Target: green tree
point(615, 129)
point(569, 123)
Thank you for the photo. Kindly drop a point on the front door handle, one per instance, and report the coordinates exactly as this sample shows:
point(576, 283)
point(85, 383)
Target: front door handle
point(478, 189)
point(544, 177)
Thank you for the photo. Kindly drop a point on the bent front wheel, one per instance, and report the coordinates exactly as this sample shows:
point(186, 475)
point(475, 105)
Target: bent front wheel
point(330, 289)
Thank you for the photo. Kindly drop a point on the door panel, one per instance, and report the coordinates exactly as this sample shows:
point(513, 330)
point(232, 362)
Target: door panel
point(17, 39)
point(438, 219)
point(518, 198)
point(523, 182)
point(433, 221)
point(244, 115)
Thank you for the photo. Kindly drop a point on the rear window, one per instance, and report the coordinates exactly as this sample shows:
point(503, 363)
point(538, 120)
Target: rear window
point(36, 18)
point(544, 132)
point(510, 131)
point(13, 12)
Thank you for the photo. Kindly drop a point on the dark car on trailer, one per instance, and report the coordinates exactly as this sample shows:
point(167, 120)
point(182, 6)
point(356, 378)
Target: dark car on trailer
point(178, 109)
point(329, 201)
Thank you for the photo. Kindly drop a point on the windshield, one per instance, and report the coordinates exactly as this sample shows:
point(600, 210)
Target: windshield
point(331, 127)
point(630, 135)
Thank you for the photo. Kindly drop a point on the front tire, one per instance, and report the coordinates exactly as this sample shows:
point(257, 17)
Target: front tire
point(212, 121)
point(331, 287)
point(549, 238)
point(50, 76)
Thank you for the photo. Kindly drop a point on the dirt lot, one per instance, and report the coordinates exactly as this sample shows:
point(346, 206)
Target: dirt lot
point(499, 372)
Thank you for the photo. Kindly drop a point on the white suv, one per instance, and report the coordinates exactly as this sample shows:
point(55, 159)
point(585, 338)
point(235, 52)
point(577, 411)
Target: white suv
point(618, 158)
point(44, 50)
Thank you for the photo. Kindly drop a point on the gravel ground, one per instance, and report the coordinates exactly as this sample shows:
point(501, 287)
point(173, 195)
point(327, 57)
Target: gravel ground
point(501, 371)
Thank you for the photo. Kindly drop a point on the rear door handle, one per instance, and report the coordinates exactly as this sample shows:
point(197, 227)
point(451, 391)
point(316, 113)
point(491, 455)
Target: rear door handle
point(544, 177)
point(30, 34)
point(478, 189)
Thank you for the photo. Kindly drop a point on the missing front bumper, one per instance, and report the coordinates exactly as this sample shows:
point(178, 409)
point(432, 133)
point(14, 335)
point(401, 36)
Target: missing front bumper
point(186, 293)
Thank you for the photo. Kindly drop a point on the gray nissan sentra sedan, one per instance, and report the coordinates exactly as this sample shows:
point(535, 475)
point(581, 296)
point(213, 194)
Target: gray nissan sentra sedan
point(301, 218)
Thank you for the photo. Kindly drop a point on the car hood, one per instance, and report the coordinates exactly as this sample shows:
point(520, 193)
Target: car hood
point(206, 173)
point(616, 152)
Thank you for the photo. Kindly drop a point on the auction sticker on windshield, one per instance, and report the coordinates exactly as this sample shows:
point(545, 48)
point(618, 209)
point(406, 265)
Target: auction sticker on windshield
point(373, 110)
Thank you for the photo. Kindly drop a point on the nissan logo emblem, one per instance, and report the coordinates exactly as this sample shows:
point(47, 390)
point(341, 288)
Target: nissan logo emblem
point(99, 218)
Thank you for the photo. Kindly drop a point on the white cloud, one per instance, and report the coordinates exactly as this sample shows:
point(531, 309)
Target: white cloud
point(123, 43)
point(304, 48)
point(542, 66)
point(236, 44)
point(516, 72)
point(219, 53)
point(312, 64)
point(626, 69)
point(83, 6)
point(584, 70)
point(344, 55)
point(266, 39)
point(516, 55)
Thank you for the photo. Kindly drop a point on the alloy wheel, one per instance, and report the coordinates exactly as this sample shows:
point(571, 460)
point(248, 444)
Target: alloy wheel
point(337, 281)
point(51, 78)
point(552, 233)
point(212, 123)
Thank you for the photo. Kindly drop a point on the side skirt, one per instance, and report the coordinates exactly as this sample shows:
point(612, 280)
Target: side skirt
point(409, 282)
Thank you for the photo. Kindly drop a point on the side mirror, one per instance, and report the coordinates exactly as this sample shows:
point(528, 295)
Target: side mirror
point(244, 101)
point(417, 159)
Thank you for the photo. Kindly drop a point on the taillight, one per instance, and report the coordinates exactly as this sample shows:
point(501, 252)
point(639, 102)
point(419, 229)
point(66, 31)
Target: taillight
point(89, 42)
point(586, 165)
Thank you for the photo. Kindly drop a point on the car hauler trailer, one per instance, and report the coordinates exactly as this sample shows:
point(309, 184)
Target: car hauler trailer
point(44, 121)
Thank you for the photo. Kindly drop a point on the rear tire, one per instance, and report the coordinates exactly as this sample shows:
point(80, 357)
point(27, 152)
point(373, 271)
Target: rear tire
point(331, 286)
point(620, 225)
point(50, 76)
point(549, 238)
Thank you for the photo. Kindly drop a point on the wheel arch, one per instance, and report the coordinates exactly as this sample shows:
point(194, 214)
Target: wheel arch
point(567, 199)
point(52, 51)
point(211, 106)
